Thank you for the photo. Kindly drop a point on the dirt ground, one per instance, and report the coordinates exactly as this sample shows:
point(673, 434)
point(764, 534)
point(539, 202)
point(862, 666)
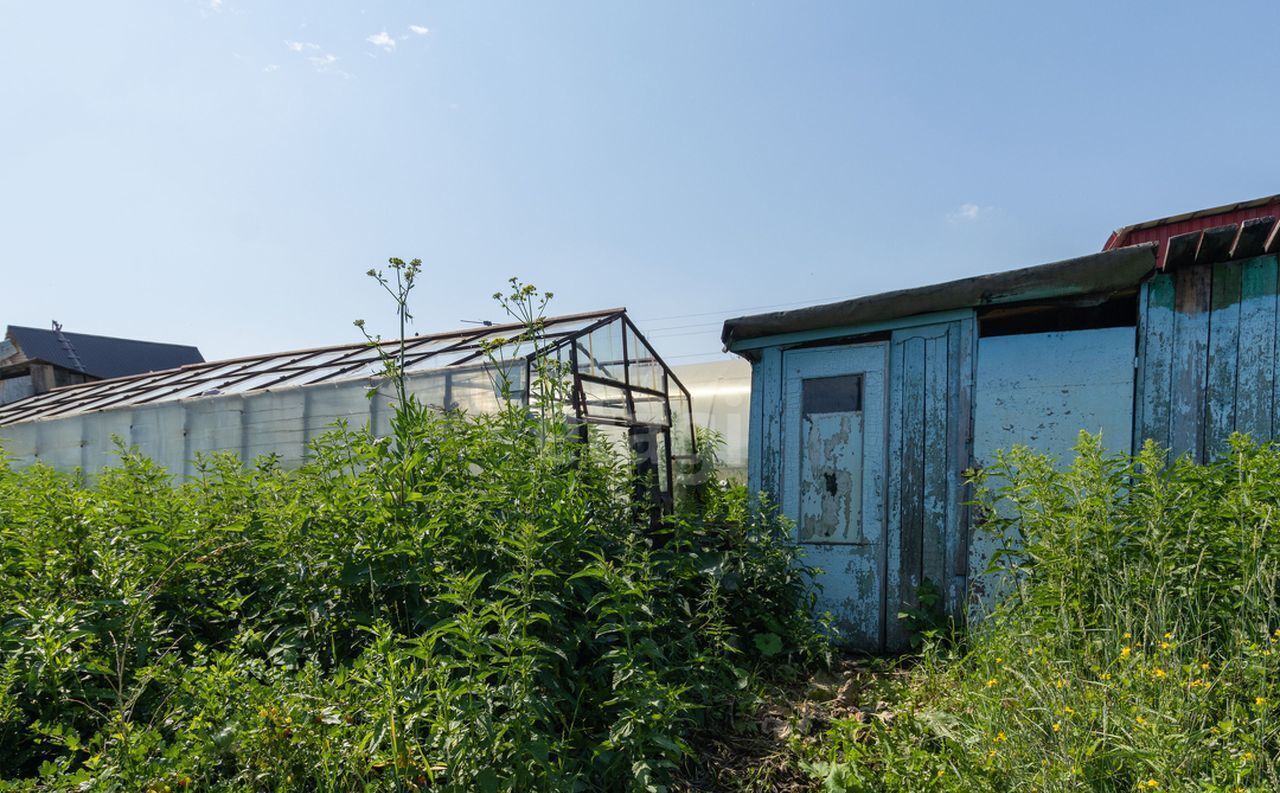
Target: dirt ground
point(763, 752)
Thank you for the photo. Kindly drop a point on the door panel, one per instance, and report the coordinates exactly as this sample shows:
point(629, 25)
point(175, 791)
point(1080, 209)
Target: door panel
point(833, 479)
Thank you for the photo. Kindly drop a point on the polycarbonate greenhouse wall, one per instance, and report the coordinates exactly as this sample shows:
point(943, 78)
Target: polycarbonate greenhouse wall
point(278, 403)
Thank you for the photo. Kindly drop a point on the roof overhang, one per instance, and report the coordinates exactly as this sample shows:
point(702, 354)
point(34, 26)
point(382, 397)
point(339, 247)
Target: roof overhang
point(1096, 274)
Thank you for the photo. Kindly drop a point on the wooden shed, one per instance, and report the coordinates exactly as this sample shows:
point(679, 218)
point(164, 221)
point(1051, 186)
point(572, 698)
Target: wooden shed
point(865, 413)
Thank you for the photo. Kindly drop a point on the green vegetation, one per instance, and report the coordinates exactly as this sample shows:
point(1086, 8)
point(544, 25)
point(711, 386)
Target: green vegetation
point(1138, 649)
point(474, 603)
point(467, 604)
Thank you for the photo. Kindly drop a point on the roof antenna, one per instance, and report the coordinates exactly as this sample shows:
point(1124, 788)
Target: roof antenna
point(66, 345)
point(488, 323)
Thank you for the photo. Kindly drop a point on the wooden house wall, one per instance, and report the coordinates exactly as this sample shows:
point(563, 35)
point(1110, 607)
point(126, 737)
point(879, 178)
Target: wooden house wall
point(1207, 356)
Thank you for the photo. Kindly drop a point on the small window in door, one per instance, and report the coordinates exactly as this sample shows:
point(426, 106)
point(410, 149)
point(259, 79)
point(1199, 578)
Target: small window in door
point(831, 460)
point(841, 394)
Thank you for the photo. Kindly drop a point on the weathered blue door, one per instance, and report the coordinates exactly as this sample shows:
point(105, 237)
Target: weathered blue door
point(833, 479)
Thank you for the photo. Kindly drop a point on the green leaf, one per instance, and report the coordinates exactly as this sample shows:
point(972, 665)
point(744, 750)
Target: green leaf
point(769, 644)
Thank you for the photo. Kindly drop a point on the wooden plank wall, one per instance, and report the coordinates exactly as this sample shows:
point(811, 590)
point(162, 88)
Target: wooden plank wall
point(1207, 356)
point(929, 441)
point(764, 441)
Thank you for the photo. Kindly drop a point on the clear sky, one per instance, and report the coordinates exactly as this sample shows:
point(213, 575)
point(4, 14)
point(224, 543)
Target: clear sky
point(222, 173)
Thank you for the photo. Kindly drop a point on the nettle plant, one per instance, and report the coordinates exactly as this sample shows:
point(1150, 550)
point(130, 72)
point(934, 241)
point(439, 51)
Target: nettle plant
point(468, 603)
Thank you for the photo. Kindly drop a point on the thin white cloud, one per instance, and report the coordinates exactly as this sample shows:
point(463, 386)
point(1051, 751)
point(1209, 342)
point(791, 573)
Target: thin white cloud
point(327, 63)
point(299, 46)
point(382, 40)
point(967, 213)
point(270, 67)
point(419, 30)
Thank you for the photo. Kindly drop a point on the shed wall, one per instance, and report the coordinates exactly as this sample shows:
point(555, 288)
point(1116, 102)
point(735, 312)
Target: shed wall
point(1207, 356)
point(1041, 390)
point(930, 385)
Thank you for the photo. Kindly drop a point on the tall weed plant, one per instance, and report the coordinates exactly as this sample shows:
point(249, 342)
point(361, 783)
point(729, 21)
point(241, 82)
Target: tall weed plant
point(1138, 647)
point(466, 604)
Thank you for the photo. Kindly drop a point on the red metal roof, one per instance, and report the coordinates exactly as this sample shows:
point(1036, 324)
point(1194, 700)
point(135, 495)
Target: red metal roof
point(1228, 226)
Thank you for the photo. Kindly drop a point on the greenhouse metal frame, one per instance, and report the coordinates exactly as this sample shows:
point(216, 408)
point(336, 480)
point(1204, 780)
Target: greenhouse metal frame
point(615, 378)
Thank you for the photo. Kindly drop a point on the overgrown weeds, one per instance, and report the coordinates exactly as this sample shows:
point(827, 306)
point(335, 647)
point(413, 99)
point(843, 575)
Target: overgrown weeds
point(1138, 648)
point(466, 604)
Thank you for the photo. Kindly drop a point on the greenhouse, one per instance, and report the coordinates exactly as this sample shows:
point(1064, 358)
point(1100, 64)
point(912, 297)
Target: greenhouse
point(278, 403)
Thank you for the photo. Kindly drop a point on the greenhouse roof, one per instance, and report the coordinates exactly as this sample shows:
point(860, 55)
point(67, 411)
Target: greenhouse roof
point(437, 351)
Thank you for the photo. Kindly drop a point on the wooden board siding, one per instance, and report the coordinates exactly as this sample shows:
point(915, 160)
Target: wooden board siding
point(763, 469)
point(931, 375)
point(1190, 359)
point(1207, 356)
point(1255, 384)
point(1155, 365)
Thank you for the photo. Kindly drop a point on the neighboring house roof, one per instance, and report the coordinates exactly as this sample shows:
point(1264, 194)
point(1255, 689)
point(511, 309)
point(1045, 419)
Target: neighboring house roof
point(100, 356)
point(1234, 231)
point(1098, 273)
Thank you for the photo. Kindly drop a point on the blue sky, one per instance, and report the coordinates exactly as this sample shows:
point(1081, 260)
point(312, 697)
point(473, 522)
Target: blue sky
point(223, 173)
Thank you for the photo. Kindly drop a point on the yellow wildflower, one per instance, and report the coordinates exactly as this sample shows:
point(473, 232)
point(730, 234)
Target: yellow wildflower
point(1158, 672)
point(1125, 652)
point(1106, 675)
point(1128, 635)
point(1142, 721)
point(1205, 666)
point(1057, 726)
point(1259, 700)
point(999, 661)
point(1001, 737)
point(1168, 635)
point(1060, 684)
point(1247, 755)
point(1165, 645)
point(992, 682)
point(1150, 784)
point(1068, 710)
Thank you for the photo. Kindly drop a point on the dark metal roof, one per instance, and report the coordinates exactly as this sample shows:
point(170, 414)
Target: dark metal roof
point(100, 356)
point(1098, 273)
